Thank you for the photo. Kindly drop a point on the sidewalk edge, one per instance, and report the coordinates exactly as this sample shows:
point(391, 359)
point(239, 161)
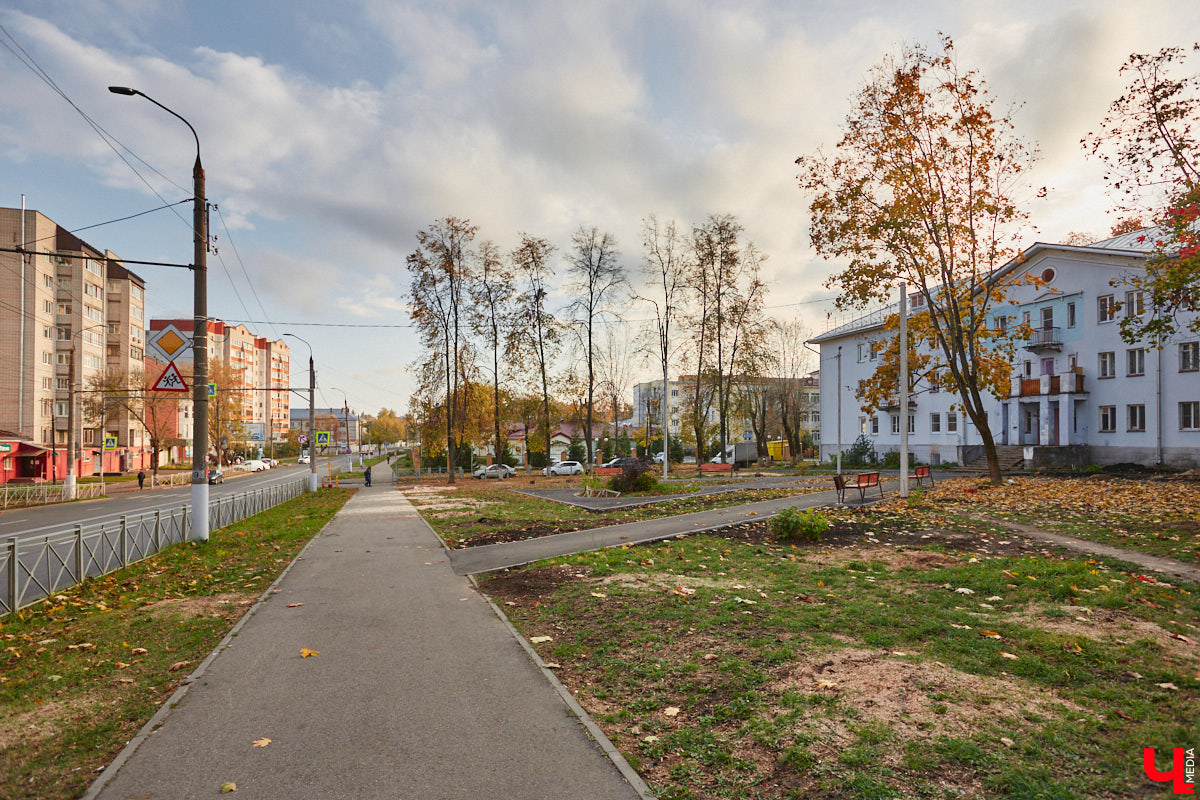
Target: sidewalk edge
point(628, 772)
point(160, 716)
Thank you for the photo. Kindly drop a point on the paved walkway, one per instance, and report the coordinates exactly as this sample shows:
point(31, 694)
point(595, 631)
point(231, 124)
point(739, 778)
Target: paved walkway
point(419, 690)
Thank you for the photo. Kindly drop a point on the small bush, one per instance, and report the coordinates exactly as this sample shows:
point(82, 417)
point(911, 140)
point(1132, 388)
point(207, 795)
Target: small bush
point(804, 526)
point(914, 498)
point(635, 478)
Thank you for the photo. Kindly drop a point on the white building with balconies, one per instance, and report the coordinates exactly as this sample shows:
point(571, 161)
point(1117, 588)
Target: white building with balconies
point(1079, 394)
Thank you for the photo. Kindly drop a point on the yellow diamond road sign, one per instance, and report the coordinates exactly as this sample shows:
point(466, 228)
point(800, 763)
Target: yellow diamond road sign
point(171, 342)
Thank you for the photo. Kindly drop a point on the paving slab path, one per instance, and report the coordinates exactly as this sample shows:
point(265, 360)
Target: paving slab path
point(418, 690)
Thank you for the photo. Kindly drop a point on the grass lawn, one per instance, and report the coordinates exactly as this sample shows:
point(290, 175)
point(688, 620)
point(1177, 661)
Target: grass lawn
point(482, 512)
point(81, 672)
point(877, 664)
point(1159, 515)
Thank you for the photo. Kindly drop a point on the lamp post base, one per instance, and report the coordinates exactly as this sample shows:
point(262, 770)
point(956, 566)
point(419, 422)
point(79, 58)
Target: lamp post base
point(199, 515)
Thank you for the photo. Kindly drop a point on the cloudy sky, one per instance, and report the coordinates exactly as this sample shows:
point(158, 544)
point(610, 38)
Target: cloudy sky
point(332, 132)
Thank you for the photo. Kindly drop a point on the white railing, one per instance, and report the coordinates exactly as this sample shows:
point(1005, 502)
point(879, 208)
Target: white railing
point(32, 568)
point(40, 494)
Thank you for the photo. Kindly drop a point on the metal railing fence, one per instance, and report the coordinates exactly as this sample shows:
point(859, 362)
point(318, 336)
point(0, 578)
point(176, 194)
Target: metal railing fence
point(33, 568)
point(39, 494)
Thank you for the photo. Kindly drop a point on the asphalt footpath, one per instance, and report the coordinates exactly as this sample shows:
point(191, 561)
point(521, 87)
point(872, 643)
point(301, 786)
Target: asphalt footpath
point(417, 689)
point(493, 557)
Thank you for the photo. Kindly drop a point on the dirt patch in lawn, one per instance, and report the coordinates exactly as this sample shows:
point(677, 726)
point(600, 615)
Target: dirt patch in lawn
point(1111, 623)
point(46, 720)
point(220, 605)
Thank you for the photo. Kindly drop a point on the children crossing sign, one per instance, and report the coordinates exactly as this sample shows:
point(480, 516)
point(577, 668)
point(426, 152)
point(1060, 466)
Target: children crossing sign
point(323, 438)
point(170, 380)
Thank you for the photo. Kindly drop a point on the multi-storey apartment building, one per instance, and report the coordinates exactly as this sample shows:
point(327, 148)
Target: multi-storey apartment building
point(68, 306)
point(1079, 394)
point(257, 373)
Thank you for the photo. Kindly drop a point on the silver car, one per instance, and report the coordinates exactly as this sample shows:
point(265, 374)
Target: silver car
point(500, 471)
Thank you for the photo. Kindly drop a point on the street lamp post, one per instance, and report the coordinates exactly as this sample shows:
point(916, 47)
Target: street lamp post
point(312, 417)
point(199, 332)
point(345, 419)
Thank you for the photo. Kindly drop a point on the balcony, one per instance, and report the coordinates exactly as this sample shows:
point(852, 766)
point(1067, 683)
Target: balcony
point(1067, 383)
point(1044, 340)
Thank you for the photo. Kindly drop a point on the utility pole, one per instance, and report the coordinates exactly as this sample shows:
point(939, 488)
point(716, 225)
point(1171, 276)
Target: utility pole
point(69, 480)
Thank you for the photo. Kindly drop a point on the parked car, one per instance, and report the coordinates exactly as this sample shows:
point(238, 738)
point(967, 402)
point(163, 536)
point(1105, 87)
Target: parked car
point(499, 471)
point(256, 465)
point(303, 459)
point(272, 462)
point(622, 462)
point(215, 475)
point(564, 468)
point(659, 456)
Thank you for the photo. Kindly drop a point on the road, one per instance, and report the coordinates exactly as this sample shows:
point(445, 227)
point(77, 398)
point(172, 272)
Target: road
point(43, 520)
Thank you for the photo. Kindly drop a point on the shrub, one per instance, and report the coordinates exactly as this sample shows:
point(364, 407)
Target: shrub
point(804, 526)
point(861, 453)
point(914, 498)
point(634, 478)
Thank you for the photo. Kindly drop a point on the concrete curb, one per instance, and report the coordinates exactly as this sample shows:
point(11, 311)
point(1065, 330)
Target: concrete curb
point(605, 744)
point(593, 730)
point(160, 716)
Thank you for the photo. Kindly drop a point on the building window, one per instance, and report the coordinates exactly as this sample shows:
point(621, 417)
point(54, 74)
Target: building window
point(47, 357)
point(60, 408)
point(64, 308)
point(862, 425)
point(1025, 319)
point(1072, 361)
point(1189, 356)
point(1108, 365)
point(1002, 323)
point(1135, 304)
point(860, 353)
point(48, 281)
point(1070, 315)
point(47, 307)
point(874, 426)
point(912, 423)
point(1137, 417)
point(816, 417)
point(895, 423)
point(1189, 416)
point(872, 352)
point(935, 423)
point(951, 421)
point(1135, 361)
point(64, 359)
point(46, 408)
point(1108, 419)
point(1028, 367)
point(1107, 308)
point(1047, 318)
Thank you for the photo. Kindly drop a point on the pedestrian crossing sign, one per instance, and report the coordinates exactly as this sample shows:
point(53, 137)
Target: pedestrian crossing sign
point(110, 443)
point(323, 438)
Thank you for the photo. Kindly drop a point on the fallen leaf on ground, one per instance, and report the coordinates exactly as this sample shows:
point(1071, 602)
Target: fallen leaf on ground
point(826, 684)
point(228, 786)
point(178, 665)
point(294, 605)
point(540, 639)
point(1009, 656)
point(306, 653)
point(989, 634)
point(1168, 685)
point(601, 595)
point(1007, 742)
point(710, 656)
point(684, 590)
point(263, 742)
point(139, 651)
point(964, 590)
point(552, 665)
point(671, 711)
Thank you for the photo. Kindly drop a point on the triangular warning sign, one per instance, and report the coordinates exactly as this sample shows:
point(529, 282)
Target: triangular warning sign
point(170, 380)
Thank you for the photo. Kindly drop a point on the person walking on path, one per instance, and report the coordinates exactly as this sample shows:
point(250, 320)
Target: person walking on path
point(141, 479)
point(367, 475)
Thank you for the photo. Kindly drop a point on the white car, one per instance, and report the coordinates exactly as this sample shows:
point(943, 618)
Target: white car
point(302, 460)
point(255, 465)
point(564, 468)
point(495, 471)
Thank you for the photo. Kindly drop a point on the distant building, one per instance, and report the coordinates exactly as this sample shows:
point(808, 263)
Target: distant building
point(261, 370)
point(64, 295)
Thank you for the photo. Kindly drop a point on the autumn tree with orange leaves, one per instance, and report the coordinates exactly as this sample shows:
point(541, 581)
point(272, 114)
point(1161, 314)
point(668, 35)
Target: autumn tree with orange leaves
point(1150, 146)
point(919, 189)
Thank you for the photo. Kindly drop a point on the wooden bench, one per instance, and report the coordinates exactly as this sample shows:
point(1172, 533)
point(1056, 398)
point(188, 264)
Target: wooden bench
point(716, 468)
point(921, 474)
point(862, 481)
